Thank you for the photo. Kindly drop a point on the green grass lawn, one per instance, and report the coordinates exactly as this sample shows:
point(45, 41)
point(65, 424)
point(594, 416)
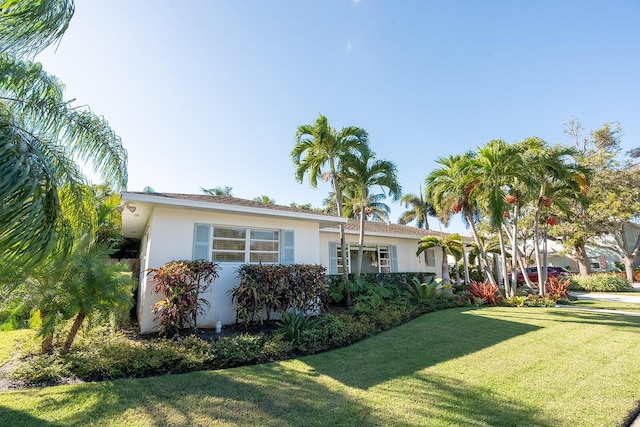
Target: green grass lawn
point(9, 340)
point(608, 305)
point(484, 367)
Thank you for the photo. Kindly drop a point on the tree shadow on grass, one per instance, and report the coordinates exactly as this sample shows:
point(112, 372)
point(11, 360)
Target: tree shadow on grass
point(12, 417)
point(423, 342)
point(281, 394)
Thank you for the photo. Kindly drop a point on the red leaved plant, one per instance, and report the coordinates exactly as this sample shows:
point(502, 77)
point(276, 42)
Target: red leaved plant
point(489, 292)
point(558, 288)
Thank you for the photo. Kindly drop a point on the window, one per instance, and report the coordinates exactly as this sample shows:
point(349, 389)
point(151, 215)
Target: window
point(430, 257)
point(375, 259)
point(243, 245)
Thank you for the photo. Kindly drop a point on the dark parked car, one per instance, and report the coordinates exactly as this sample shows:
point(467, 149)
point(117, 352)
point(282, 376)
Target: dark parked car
point(552, 271)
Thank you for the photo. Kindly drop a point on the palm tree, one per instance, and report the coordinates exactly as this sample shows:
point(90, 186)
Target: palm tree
point(217, 191)
point(264, 199)
point(319, 146)
point(450, 244)
point(498, 169)
point(419, 210)
point(42, 136)
point(361, 174)
point(449, 188)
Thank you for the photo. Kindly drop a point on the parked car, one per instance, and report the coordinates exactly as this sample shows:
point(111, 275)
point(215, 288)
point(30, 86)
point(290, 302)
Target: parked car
point(552, 271)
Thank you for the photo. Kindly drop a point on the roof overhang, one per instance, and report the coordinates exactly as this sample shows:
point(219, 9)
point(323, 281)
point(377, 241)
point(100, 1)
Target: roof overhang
point(137, 209)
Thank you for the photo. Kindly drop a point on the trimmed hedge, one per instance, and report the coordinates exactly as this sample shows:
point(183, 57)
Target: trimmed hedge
point(600, 283)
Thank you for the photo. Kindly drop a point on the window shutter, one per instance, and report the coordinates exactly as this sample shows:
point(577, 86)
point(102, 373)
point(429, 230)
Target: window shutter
point(202, 241)
point(287, 244)
point(333, 258)
point(393, 254)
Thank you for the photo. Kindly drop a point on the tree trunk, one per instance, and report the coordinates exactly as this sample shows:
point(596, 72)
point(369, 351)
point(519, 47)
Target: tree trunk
point(484, 262)
point(361, 242)
point(73, 332)
point(628, 268)
point(583, 260)
point(47, 341)
point(446, 277)
point(343, 243)
point(505, 267)
point(515, 251)
point(465, 261)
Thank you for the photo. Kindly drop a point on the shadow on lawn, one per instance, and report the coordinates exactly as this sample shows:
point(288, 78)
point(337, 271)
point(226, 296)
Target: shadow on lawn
point(270, 394)
point(286, 394)
point(595, 317)
point(423, 342)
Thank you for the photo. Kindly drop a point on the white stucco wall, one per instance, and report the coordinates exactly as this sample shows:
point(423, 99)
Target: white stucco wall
point(171, 231)
point(408, 262)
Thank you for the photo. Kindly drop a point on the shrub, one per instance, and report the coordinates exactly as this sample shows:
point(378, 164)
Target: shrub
point(41, 370)
point(425, 291)
point(266, 289)
point(558, 288)
point(489, 293)
point(531, 300)
point(293, 324)
point(181, 283)
point(600, 283)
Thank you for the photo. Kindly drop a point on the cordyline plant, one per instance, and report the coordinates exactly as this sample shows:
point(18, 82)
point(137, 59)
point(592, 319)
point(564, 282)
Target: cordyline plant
point(558, 288)
point(489, 292)
point(181, 283)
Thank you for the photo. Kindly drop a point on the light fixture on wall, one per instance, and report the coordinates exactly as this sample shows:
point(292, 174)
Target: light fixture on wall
point(129, 207)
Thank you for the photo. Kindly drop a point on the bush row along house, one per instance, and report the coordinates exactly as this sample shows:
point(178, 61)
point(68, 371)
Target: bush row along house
point(232, 231)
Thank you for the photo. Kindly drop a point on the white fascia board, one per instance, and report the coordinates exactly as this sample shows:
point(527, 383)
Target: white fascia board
point(324, 220)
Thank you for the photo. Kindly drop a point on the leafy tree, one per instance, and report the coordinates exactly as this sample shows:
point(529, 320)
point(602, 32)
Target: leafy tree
point(319, 146)
point(361, 174)
point(42, 135)
point(218, 191)
point(449, 244)
point(615, 194)
point(419, 210)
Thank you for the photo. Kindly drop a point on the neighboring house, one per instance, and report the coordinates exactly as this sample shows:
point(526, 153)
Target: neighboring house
point(232, 232)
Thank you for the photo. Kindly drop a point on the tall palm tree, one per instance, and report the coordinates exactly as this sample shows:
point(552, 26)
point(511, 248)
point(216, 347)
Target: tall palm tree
point(319, 152)
point(42, 136)
point(419, 210)
point(499, 170)
point(361, 174)
point(450, 244)
point(217, 191)
point(450, 189)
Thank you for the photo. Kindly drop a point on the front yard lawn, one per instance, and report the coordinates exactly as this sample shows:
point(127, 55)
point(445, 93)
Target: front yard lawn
point(477, 367)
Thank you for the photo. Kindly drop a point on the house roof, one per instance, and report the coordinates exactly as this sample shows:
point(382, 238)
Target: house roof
point(137, 208)
point(379, 228)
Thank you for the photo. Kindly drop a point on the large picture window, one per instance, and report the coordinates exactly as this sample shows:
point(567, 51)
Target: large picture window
point(245, 245)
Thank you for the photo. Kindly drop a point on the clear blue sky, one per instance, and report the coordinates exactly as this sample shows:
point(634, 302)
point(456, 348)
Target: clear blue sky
point(209, 93)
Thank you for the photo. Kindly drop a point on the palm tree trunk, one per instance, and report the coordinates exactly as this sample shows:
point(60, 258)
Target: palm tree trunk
point(343, 243)
point(536, 246)
point(73, 332)
point(465, 261)
point(47, 341)
point(505, 267)
point(361, 242)
point(484, 262)
point(515, 251)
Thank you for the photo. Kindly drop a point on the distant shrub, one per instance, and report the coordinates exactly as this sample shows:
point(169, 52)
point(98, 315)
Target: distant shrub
point(600, 283)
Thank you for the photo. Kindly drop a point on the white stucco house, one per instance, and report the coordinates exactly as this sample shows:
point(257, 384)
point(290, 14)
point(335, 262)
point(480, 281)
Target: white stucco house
point(232, 232)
